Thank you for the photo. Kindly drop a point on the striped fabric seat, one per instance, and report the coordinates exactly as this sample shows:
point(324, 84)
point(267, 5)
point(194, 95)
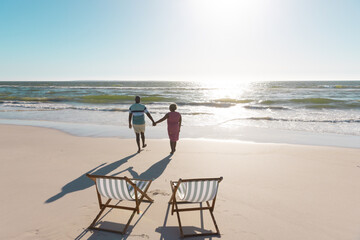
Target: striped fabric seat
point(198, 191)
point(181, 190)
point(113, 188)
point(195, 191)
point(142, 185)
point(119, 188)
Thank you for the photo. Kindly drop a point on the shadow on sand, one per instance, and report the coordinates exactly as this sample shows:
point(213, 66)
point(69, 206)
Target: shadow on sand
point(83, 182)
point(153, 172)
point(170, 233)
point(96, 235)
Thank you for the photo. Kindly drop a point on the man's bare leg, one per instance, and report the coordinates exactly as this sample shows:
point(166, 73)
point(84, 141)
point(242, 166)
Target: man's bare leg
point(138, 141)
point(143, 139)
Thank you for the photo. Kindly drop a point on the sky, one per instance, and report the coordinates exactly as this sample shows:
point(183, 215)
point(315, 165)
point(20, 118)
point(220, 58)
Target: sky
point(203, 40)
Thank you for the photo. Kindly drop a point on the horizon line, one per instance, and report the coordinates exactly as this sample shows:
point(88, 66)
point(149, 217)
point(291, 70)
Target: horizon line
point(158, 80)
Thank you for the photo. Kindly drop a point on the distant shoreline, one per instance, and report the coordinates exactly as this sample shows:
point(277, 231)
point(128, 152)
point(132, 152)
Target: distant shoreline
point(246, 134)
point(200, 81)
point(309, 112)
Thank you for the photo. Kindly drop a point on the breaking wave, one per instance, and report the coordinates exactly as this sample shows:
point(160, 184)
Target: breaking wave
point(356, 120)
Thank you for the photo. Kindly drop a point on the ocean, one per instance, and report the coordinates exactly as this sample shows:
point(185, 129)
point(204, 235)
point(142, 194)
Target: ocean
point(306, 112)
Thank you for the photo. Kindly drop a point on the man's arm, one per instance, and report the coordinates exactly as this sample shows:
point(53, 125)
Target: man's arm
point(130, 117)
point(149, 115)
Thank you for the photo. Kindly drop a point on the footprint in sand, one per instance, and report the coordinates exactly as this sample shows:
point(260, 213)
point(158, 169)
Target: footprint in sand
point(141, 236)
point(159, 192)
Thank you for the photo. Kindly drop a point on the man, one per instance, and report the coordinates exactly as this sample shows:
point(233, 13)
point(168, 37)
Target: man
point(136, 113)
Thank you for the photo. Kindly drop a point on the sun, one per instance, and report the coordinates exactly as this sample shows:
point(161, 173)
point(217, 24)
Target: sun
point(215, 11)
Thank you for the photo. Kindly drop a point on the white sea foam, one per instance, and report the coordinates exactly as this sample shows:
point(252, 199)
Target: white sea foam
point(314, 107)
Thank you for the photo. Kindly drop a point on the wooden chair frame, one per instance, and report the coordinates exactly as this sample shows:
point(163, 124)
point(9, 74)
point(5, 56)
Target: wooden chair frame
point(134, 210)
point(175, 208)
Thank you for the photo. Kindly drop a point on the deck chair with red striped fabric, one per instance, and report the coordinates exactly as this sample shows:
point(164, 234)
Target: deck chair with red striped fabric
point(195, 191)
point(120, 189)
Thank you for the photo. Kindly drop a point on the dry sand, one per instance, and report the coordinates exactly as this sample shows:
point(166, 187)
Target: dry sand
point(269, 191)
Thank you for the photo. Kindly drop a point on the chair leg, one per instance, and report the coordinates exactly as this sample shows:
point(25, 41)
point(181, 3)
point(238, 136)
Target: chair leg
point(178, 217)
point(173, 207)
point(128, 223)
point(172, 192)
point(142, 200)
point(147, 196)
point(213, 218)
point(211, 233)
point(216, 226)
point(171, 201)
point(92, 225)
point(99, 214)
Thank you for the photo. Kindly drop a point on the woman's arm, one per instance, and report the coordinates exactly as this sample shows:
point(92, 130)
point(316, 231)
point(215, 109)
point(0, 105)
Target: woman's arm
point(180, 123)
point(163, 119)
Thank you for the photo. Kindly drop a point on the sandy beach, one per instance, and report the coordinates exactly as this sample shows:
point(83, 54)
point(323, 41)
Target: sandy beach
point(261, 96)
point(269, 191)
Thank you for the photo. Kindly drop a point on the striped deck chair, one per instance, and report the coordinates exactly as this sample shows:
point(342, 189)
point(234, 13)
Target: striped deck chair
point(121, 189)
point(195, 191)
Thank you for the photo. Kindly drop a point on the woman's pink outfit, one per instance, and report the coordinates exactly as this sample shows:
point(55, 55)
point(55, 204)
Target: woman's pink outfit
point(173, 126)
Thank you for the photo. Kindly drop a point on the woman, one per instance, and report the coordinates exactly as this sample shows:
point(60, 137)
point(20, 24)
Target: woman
point(174, 124)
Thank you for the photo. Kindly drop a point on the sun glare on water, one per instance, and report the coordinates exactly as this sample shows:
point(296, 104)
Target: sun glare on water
point(226, 91)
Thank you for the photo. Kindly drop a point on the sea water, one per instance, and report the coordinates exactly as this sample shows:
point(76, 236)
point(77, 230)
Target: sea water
point(222, 110)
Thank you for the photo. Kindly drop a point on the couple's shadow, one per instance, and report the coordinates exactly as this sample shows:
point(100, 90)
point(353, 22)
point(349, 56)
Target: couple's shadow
point(83, 182)
point(152, 173)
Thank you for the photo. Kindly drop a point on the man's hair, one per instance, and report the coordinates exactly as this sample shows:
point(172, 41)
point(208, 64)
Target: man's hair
point(137, 99)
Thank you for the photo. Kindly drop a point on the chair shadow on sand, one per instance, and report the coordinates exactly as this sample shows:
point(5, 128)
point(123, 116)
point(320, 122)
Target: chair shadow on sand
point(96, 235)
point(83, 182)
point(152, 173)
point(169, 233)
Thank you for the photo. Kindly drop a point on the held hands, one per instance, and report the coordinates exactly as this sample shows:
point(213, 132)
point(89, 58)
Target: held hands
point(154, 124)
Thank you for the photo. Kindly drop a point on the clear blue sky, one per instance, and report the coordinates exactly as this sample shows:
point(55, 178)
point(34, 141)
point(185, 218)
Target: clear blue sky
point(179, 40)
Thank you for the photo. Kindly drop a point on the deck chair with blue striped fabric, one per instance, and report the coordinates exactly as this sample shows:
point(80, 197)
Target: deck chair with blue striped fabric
point(195, 191)
point(120, 189)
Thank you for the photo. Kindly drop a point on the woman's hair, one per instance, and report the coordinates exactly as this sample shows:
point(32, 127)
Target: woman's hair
point(173, 107)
